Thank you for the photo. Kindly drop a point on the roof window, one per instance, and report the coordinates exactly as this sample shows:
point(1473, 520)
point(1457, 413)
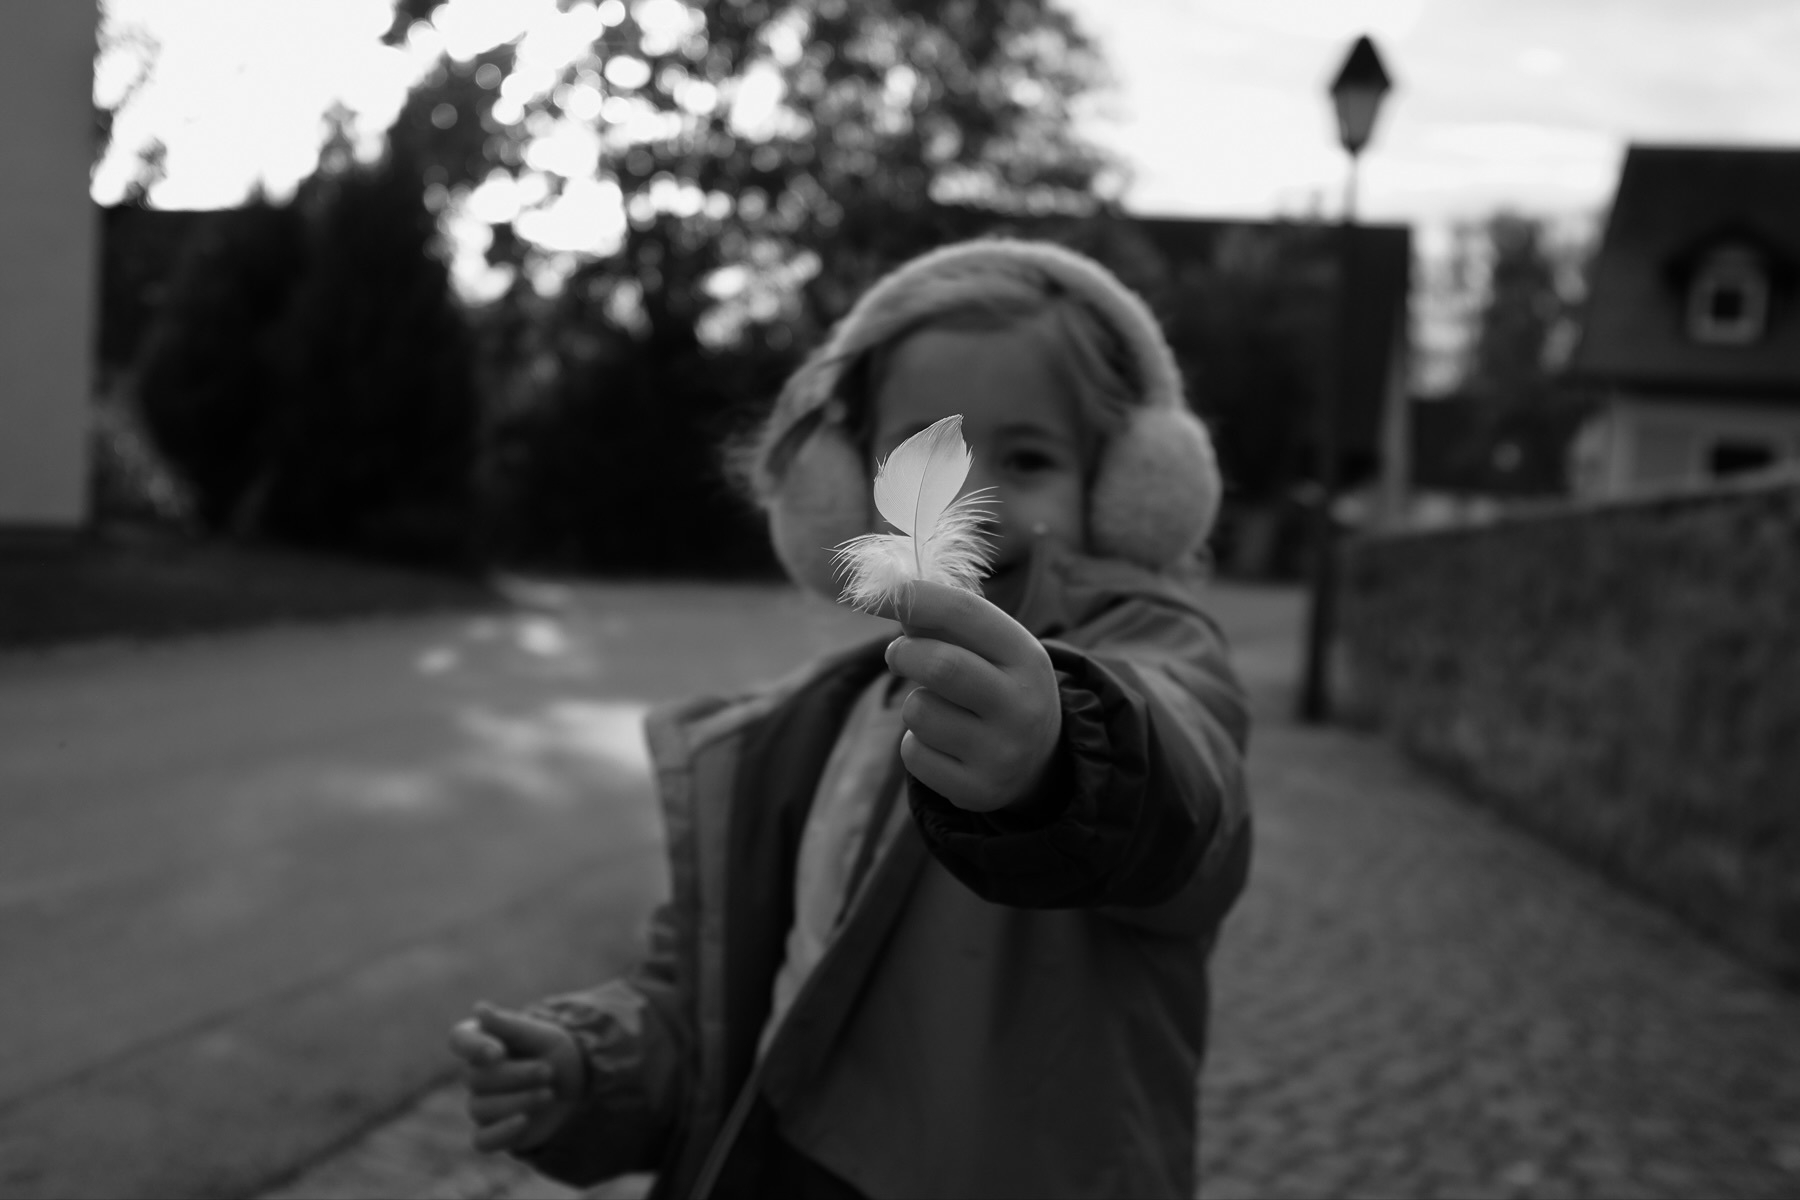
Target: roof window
point(1728, 304)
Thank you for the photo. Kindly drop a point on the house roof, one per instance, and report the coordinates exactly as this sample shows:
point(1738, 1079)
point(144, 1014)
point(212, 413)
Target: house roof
point(1673, 203)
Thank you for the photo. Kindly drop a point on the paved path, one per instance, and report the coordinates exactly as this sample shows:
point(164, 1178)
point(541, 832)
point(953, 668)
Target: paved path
point(1416, 1000)
point(1413, 1000)
point(247, 880)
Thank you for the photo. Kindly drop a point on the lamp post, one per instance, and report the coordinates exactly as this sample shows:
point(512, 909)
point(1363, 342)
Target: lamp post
point(1356, 93)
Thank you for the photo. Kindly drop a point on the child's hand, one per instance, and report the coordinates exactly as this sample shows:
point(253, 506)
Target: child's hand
point(984, 723)
point(523, 1076)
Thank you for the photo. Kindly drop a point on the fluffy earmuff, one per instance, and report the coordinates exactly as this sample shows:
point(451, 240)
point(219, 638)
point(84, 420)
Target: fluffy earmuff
point(1156, 488)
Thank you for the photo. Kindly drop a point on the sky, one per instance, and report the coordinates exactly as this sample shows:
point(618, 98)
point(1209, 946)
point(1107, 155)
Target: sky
point(1221, 106)
point(1218, 107)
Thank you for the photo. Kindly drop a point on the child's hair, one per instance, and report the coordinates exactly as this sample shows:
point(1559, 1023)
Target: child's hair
point(1153, 482)
point(1085, 355)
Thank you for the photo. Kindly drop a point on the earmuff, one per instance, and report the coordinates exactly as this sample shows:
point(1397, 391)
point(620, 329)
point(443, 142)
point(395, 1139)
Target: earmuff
point(1156, 487)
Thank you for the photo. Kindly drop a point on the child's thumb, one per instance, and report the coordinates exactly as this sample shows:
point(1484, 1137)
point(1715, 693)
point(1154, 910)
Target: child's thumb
point(519, 1033)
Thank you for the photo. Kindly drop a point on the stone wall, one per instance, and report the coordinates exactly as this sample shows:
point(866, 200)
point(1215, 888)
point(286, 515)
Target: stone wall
point(1624, 679)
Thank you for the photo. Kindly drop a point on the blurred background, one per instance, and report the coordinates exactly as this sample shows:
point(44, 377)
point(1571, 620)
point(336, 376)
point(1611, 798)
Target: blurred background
point(364, 371)
point(588, 241)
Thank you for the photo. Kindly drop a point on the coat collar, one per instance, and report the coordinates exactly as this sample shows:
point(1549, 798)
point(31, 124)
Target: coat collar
point(1064, 590)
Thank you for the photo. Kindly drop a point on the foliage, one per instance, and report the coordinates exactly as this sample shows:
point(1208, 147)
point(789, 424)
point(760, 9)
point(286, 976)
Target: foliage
point(310, 374)
point(130, 481)
point(373, 384)
point(140, 250)
point(1531, 280)
point(125, 58)
point(1524, 328)
point(737, 172)
point(616, 368)
point(205, 377)
point(1253, 329)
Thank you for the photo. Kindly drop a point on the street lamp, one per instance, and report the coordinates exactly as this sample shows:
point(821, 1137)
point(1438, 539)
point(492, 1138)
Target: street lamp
point(1356, 94)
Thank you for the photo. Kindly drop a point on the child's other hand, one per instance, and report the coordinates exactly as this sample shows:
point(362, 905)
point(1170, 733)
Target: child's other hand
point(523, 1074)
point(984, 723)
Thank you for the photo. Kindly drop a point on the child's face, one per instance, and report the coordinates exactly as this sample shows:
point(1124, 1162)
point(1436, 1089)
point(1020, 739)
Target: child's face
point(1018, 418)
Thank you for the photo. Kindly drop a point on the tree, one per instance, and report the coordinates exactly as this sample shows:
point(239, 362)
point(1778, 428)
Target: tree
point(695, 195)
point(1253, 329)
point(764, 162)
point(310, 373)
point(206, 382)
point(1518, 414)
point(373, 444)
point(1534, 287)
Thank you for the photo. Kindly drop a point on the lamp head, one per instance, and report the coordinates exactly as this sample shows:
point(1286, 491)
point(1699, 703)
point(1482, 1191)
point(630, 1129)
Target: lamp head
point(1357, 93)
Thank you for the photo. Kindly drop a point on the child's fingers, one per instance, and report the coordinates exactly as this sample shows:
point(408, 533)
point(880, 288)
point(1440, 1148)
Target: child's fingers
point(474, 1047)
point(506, 1077)
point(937, 771)
point(960, 676)
point(490, 1139)
point(521, 1035)
point(491, 1110)
point(936, 610)
point(945, 727)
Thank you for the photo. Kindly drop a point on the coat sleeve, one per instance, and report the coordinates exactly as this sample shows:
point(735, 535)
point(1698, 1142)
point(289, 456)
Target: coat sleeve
point(637, 1051)
point(1145, 815)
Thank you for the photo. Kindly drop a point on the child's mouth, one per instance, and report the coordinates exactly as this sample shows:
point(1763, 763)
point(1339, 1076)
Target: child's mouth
point(1002, 586)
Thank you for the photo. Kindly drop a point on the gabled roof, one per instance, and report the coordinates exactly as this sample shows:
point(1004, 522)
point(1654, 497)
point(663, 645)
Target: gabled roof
point(1673, 203)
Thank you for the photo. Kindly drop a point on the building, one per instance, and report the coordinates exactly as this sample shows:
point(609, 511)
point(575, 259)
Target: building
point(1690, 346)
point(1253, 312)
point(1472, 459)
point(47, 236)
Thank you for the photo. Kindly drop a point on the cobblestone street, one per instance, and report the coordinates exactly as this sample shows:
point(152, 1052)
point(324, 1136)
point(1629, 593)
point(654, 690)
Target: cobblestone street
point(1412, 1000)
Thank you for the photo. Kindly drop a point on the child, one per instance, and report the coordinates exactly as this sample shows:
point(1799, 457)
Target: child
point(941, 906)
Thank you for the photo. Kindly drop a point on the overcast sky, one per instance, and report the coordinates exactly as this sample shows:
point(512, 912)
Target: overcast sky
point(1219, 105)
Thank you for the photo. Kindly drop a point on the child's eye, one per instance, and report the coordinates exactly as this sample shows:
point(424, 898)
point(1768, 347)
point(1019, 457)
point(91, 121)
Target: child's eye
point(1028, 461)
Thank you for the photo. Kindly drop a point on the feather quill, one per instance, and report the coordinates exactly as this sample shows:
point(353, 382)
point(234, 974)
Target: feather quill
point(939, 536)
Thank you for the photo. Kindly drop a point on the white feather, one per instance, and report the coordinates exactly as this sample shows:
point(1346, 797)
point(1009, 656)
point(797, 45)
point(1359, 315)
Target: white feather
point(940, 536)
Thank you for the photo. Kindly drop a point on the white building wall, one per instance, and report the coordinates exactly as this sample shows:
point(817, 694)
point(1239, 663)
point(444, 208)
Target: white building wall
point(1672, 441)
point(1637, 446)
point(47, 259)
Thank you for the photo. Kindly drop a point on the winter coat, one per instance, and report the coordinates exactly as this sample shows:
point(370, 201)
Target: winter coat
point(1015, 1003)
